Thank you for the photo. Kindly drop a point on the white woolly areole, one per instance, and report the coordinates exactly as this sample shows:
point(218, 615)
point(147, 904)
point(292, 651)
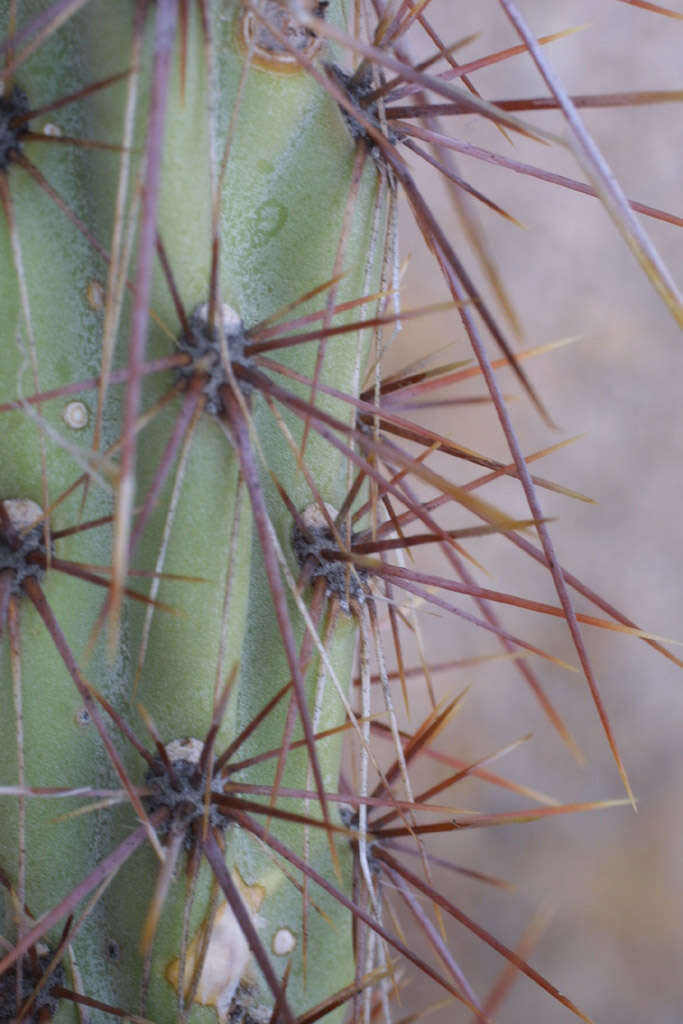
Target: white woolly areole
point(312, 516)
point(230, 319)
point(22, 512)
point(188, 749)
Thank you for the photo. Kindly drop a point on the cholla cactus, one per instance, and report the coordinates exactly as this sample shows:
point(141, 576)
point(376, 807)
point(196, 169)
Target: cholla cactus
point(209, 499)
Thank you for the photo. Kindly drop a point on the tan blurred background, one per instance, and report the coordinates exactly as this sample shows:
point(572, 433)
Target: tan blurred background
point(614, 943)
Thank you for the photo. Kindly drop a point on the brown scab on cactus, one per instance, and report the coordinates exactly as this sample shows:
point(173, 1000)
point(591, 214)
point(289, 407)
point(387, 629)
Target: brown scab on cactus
point(221, 954)
point(275, 38)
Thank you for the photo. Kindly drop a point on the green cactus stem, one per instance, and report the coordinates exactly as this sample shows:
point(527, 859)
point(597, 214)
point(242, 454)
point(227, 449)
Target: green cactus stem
point(273, 226)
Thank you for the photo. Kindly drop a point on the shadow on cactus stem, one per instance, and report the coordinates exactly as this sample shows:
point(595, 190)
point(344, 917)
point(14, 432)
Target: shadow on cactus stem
point(276, 492)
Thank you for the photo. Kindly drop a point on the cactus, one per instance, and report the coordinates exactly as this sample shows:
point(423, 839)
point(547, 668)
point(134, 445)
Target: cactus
point(210, 502)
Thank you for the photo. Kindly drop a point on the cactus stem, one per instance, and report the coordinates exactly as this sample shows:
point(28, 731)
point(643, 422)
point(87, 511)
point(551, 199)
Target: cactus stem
point(266, 536)
point(214, 855)
point(32, 588)
point(105, 870)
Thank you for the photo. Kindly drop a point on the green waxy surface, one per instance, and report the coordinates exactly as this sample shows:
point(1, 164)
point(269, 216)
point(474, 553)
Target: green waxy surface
point(282, 205)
